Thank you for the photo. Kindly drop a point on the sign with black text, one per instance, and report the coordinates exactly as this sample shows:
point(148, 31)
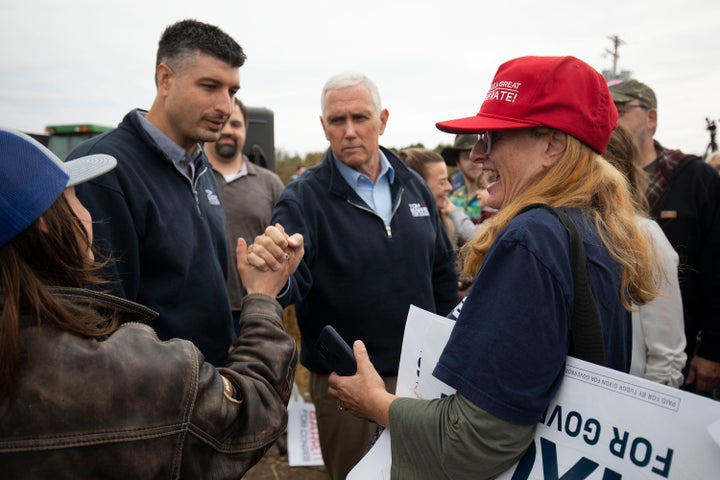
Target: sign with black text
point(602, 424)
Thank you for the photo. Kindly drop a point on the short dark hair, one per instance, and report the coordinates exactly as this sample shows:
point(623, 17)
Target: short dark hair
point(187, 37)
point(242, 108)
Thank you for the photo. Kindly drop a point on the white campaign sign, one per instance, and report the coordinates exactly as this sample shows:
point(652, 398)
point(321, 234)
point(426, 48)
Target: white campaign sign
point(302, 435)
point(602, 424)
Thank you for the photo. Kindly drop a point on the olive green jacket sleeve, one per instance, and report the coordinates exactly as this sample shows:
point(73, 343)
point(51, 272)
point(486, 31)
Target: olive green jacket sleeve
point(451, 438)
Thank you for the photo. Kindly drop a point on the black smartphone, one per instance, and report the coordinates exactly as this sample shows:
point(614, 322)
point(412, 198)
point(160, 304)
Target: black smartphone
point(336, 351)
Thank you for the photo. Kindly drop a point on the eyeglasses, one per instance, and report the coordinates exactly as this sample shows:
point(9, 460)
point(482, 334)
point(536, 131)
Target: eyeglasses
point(486, 142)
point(623, 108)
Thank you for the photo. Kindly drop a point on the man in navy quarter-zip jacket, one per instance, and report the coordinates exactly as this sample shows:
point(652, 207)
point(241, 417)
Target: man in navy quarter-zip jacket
point(159, 214)
point(374, 245)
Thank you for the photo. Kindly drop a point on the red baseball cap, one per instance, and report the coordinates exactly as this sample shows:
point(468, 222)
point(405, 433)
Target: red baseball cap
point(564, 93)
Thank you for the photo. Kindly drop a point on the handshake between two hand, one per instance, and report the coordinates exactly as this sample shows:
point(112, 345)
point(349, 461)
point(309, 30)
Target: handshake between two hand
point(266, 265)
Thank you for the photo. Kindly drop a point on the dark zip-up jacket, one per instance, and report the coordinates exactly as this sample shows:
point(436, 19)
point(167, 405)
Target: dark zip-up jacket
point(357, 274)
point(131, 406)
point(167, 235)
point(688, 211)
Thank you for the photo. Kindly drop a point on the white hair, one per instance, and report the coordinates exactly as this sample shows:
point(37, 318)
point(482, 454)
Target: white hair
point(343, 80)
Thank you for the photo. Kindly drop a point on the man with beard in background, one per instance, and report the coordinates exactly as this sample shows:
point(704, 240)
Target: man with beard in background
point(248, 192)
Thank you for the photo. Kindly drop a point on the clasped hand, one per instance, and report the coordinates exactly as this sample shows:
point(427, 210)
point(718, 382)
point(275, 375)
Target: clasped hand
point(266, 265)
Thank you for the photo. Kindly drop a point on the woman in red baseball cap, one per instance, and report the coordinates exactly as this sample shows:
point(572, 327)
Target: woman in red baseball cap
point(543, 125)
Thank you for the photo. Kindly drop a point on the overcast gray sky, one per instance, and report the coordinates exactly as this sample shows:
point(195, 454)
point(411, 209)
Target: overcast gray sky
point(93, 61)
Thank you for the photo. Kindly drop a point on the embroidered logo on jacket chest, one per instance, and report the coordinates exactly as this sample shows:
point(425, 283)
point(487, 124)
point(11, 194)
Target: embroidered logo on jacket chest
point(419, 210)
point(212, 197)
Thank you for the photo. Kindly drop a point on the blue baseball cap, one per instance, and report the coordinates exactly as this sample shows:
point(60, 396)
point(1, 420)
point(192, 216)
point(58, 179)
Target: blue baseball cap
point(32, 178)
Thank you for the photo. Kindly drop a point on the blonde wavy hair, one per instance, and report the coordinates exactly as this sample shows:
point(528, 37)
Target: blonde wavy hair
point(583, 179)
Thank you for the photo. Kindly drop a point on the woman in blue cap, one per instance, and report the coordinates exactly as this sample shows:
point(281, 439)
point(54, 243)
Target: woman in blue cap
point(87, 390)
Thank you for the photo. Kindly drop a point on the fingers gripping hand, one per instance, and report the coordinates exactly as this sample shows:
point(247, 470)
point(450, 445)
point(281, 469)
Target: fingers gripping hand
point(255, 280)
point(268, 250)
point(295, 251)
point(274, 249)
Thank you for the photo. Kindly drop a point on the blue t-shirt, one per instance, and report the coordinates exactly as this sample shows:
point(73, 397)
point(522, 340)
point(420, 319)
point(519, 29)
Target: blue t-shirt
point(507, 350)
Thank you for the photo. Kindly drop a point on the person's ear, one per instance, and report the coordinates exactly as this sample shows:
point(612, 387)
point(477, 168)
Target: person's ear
point(164, 76)
point(652, 117)
point(322, 122)
point(557, 142)
point(556, 145)
point(384, 115)
point(42, 224)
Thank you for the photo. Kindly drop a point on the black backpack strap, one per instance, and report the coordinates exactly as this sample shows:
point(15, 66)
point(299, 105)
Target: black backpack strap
point(586, 336)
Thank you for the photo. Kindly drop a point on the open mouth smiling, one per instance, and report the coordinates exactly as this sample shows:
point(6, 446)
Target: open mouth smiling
point(492, 175)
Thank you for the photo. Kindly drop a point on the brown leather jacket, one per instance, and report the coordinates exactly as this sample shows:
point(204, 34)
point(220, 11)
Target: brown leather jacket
point(132, 406)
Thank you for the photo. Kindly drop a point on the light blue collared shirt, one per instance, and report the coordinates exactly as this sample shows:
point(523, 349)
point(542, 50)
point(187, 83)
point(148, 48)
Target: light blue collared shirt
point(184, 162)
point(377, 196)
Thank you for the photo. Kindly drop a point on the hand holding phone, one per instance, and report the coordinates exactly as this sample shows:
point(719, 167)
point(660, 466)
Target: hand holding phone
point(336, 351)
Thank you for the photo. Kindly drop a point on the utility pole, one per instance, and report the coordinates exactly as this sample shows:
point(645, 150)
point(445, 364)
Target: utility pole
point(614, 52)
